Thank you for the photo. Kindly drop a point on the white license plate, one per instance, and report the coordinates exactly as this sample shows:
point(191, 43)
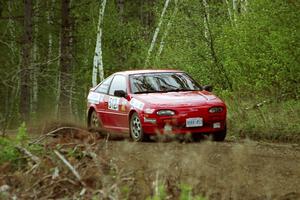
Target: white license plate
point(194, 122)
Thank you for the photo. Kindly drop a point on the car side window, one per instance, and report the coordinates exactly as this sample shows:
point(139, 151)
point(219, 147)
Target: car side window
point(118, 83)
point(103, 87)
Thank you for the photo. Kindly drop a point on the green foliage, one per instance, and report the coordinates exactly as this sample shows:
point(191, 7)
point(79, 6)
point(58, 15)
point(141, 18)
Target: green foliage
point(22, 135)
point(160, 194)
point(271, 120)
point(185, 194)
point(8, 151)
point(260, 52)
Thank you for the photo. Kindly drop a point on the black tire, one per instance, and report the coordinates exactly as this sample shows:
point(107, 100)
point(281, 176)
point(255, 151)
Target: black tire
point(219, 136)
point(94, 124)
point(136, 130)
point(196, 137)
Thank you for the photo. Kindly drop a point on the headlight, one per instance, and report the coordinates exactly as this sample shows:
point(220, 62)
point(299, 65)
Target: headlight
point(165, 113)
point(215, 110)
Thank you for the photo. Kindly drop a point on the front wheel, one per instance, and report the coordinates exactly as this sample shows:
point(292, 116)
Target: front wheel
point(196, 137)
point(219, 136)
point(136, 130)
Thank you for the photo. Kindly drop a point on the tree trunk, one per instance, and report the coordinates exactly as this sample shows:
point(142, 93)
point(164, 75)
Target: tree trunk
point(156, 31)
point(121, 5)
point(235, 10)
point(25, 85)
point(165, 35)
point(65, 62)
point(36, 70)
point(98, 62)
point(244, 6)
point(229, 12)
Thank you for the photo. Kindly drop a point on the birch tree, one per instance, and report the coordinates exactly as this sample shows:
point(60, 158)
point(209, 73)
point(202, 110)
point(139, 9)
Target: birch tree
point(157, 31)
point(35, 70)
point(165, 35)
point(229, 12)
point(26, 62)
point(235, 10)
point(98, 60)
point(244, 5)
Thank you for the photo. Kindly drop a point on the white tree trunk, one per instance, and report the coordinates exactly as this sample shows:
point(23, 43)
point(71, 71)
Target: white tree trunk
point(234, 6)
point(244, 5)
point(35, 70)
point(98, 61)
point(165, 35)
point(229, 12)
point(157, 31)
point(206, 20)
point(50, 22)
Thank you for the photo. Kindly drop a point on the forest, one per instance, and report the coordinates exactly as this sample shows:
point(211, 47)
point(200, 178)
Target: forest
point(53, 51)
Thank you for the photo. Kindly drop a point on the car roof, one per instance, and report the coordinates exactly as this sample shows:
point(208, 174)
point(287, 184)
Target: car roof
point(145, 71)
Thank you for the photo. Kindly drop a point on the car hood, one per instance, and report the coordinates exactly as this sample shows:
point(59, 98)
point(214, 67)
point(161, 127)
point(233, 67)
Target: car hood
point(186, 98)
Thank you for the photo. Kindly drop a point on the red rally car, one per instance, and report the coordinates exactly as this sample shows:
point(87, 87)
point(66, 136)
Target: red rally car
point(142, 103)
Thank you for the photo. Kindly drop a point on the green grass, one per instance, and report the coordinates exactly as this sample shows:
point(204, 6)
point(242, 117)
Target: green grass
point(272, 120)
point(185, 193)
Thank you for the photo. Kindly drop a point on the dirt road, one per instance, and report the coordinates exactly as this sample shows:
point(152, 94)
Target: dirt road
point(229, 170)
point(121, 169)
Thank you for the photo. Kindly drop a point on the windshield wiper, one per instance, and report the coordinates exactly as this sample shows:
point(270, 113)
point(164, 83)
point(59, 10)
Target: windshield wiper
point(180, 90)
point(146, 92)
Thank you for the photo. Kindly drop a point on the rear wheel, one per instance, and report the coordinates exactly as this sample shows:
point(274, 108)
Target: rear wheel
point(94, 123)
point(136, 130)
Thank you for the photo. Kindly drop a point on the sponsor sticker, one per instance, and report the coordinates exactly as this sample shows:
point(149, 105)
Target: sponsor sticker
point(113, 103)
point(95, 97)
point(137, 104)
point(123, 105)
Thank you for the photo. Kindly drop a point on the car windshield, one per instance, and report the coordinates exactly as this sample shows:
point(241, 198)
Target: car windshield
point(162, 82)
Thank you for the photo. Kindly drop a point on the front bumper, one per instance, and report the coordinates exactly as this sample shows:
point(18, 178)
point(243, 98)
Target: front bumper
point(177, 124)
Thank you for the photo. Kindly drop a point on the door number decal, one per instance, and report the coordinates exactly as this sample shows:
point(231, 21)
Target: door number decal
point(113, 103)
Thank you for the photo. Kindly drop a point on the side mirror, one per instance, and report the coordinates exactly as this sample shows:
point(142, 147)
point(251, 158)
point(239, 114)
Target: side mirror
point(208, 88)
point(92, 89)
point(120, 93)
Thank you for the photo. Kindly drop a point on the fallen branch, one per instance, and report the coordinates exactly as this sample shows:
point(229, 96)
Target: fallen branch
point(264, 102)
point(71, 168)
point(52, 133)
point(29, 154)
point(39, 181)
point(258, 105)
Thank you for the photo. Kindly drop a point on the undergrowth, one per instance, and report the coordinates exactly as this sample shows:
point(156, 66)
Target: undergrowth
point(185, 193)
point(9, 151)
point(264, 119)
